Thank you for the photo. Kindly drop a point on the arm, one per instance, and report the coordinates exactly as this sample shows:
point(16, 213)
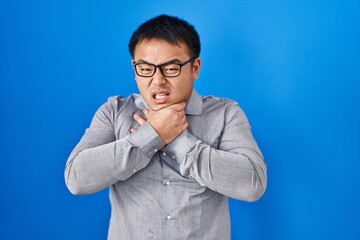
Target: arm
point(99, 160)
point(237, 169)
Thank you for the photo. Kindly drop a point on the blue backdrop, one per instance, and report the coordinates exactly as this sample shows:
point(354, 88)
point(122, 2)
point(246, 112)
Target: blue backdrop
point(292, 65)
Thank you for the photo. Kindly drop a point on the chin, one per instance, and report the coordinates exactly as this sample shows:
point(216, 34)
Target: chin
point(157, 107)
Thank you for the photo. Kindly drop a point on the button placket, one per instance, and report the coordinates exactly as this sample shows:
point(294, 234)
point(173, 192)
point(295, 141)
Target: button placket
point(168, 191)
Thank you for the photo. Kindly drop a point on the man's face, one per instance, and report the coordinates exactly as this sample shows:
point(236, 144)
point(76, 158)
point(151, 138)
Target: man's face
point(159, 91)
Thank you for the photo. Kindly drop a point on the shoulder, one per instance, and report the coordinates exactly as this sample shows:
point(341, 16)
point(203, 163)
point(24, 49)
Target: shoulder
point(117, 103)
point(114, 105)
point(219, 100)
point(212, 103)
point(227, 108)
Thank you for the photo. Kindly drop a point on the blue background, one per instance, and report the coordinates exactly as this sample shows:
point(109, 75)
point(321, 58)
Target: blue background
point(292, 65)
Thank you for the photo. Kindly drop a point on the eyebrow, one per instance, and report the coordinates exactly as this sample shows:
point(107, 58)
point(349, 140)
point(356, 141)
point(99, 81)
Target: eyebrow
point(175, 60)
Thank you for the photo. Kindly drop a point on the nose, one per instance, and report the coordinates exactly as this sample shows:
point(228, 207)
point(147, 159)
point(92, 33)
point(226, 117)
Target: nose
point(158, 78)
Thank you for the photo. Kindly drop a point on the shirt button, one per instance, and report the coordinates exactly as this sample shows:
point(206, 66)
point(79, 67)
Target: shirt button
point(168, 183)
point(168, 217)
point(173, 157)
point(134, 170)
point(155, 150)
point(164, 153)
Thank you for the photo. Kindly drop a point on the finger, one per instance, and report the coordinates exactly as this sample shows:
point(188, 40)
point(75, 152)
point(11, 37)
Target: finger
point(185, 123)
point(185, 126)
point(178, 106)
point(146, 112)
point(132, 130)
point(183, 117)
point(139, 119)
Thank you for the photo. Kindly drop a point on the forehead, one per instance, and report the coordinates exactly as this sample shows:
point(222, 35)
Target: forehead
point(158, 50)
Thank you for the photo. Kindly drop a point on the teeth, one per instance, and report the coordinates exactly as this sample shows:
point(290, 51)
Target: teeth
point(160, 96)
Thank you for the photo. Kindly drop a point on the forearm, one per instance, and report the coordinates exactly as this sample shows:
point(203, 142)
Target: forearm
point(91, 169)
point(239, 173)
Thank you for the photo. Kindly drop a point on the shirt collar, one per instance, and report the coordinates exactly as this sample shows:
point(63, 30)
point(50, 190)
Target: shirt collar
point(193, 107)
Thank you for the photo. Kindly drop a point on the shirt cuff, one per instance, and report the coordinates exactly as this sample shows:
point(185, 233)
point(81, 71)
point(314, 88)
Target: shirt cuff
point(181, 145)
point(146, 138)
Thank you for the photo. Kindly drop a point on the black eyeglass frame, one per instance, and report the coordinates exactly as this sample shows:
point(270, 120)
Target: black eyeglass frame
point(161, 69)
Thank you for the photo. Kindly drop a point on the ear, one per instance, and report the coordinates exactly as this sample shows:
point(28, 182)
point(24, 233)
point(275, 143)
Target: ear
point(196, 67)
point(132, 65)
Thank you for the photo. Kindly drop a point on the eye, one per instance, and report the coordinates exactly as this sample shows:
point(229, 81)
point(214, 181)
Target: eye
point(144, 69)
point(171, 68)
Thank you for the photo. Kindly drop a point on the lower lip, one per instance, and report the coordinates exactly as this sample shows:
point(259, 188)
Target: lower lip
point(161, 100)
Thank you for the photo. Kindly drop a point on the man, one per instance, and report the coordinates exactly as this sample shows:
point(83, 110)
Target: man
point(170, 157)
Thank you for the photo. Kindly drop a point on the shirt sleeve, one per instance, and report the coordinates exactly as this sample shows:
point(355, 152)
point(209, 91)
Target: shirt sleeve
point(99, 160)
point(236, 168)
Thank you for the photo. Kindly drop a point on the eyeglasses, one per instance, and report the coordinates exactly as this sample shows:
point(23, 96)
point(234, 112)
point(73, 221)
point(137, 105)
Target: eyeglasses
point(166, 69)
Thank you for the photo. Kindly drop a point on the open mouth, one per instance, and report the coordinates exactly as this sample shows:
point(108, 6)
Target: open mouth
point(161, 97)
point(158, 96)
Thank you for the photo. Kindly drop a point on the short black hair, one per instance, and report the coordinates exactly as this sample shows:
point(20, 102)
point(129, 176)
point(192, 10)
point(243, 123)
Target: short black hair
point(170, 29)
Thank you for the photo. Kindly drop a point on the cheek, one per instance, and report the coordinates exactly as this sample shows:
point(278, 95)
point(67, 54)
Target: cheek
point(142, 86)
point(184, 90)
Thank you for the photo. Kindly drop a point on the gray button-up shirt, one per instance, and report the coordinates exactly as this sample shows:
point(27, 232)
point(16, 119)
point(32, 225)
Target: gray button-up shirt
point(181, 193)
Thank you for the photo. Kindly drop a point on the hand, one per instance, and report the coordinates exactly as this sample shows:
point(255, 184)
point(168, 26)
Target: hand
point(168, 122)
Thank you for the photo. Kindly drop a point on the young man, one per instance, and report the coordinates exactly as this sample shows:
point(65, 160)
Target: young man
point(170, 157)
